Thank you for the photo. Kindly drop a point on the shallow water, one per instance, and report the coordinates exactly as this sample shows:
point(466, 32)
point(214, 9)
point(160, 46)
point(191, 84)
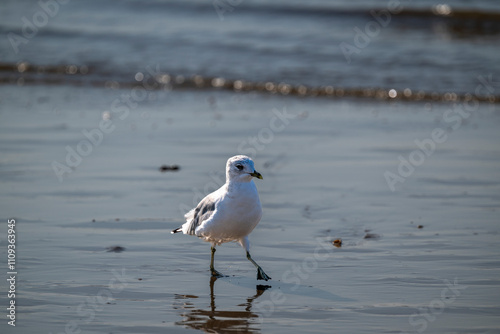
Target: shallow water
point(323, 179)
point(410, 186)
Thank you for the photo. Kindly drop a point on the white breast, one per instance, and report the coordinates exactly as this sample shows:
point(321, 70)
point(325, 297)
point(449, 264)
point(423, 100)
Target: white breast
point(237, 214)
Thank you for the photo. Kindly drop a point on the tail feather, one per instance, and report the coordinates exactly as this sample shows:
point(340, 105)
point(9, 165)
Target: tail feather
point(177, 230)
point(189, 217)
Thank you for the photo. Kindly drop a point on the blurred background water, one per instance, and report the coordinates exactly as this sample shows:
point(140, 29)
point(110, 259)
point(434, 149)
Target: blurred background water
point(424, 45)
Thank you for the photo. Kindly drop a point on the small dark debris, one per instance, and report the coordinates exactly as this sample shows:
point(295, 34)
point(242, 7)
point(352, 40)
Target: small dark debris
point(420, 226)
point(337, 242)
point(117, 219)
point(169, 168)
point(115, 249)
point(139, 279)
point(93, 220)
point(372, 236)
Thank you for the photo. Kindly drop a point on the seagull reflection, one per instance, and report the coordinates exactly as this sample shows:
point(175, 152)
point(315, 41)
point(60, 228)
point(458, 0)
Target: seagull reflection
point(216, 321)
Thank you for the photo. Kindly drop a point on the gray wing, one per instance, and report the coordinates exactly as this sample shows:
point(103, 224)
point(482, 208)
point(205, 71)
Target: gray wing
point(201, 213)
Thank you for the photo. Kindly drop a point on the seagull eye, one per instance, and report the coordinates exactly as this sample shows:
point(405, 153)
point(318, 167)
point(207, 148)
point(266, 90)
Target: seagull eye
point(240, 167)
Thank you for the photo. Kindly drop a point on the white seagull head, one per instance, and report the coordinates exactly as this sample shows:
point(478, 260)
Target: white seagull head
point(240, 168)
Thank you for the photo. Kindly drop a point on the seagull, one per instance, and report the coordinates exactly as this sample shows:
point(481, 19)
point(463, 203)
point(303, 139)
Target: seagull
point(229, 213)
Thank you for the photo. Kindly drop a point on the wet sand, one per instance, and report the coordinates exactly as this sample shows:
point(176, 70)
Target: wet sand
point(421, 258)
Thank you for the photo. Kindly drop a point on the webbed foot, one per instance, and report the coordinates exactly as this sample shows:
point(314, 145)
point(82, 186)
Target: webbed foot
point(262, 275)
point(217, 274)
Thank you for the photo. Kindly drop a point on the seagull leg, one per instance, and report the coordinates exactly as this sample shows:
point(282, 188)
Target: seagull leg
point(215, 273)
point(260, 273)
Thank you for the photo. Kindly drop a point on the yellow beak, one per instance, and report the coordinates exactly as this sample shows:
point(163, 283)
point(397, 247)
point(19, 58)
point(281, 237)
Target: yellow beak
point(256, 174)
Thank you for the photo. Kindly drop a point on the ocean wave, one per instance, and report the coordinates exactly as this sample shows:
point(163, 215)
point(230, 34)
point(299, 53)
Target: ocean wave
point(25, 73)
